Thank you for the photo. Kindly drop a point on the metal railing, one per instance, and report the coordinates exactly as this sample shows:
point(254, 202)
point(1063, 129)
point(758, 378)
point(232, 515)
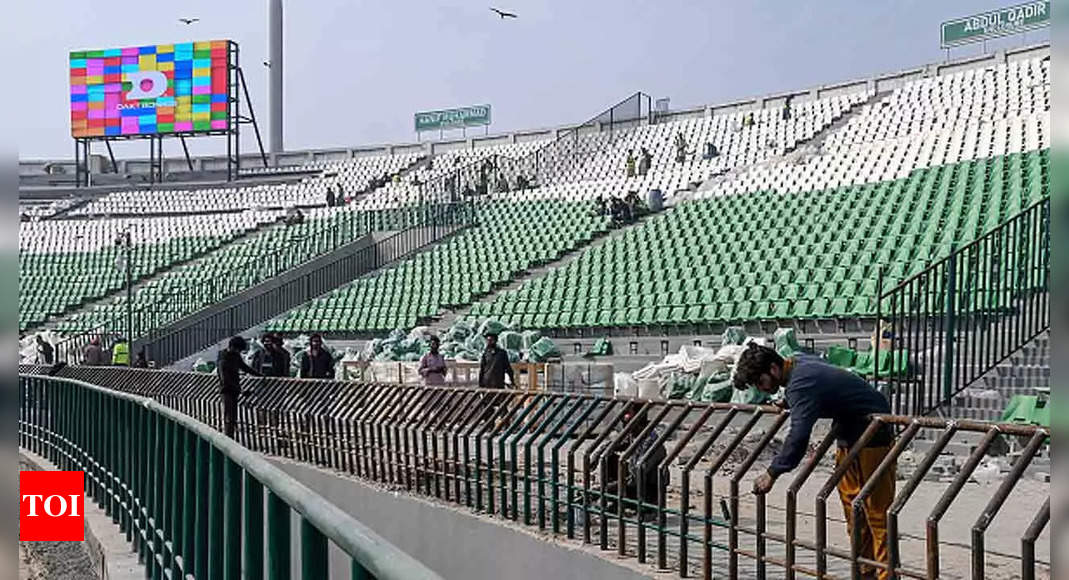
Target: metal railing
point(552, 460)
point(190, 500)
point(966, 313)
point(153, 324)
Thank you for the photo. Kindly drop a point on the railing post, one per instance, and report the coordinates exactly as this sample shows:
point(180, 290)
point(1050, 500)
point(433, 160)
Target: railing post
point(949, 323)
point(201, 553)
point(278, 538)
point(254, 529)
point(313, 552)
point(231, 520)
point(188, 544)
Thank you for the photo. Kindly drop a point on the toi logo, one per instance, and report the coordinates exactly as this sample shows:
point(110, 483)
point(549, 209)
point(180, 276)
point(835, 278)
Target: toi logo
point(148, 84)
point(51, 506)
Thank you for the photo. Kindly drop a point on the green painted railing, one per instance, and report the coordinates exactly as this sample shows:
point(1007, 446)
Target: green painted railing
point(190, 500)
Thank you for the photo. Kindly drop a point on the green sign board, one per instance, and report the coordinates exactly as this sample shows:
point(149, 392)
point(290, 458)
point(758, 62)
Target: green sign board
point(473, 116)
point(1001, 22)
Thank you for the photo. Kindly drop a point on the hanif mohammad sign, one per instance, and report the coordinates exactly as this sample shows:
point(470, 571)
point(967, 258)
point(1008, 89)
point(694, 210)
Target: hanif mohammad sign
point(1001, 22)
point(473, 116)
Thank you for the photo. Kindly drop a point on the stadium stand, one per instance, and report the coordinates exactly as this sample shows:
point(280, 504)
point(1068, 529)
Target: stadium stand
point(348, 177)
point(66, 264)
point(817, 254)
point(376, 306)
point(510, 239)
point(230, 269)
point(749, 251)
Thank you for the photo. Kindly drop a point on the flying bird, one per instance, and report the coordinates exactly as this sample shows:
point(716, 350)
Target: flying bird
point(503, 14)
point(188, 20)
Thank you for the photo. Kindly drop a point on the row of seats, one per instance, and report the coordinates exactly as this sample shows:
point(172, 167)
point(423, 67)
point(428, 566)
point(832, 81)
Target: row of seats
point(345, 177)
point(65, 264)
point(226, 271)
point(595, 162)
point(922, 124)
point(818, 254)
point(510, 238)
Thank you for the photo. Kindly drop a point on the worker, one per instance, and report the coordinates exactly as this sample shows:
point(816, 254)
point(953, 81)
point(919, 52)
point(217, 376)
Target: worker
point(330, 196)
point(46, 353)
point(681, 148)
point(273, 360)
point(120, 353)
point(630, 163)
point(494, 365)
point(229, 366)
point(432, 365)
point(814, 389)
point(317, 362)
point(644, 161)
point(93, 354)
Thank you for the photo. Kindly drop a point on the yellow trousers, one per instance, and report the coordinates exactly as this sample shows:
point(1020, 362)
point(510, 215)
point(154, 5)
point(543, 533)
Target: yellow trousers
point(873, 519)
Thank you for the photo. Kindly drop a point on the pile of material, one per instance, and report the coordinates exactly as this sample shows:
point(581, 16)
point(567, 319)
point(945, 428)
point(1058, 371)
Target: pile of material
point(702, 374)
point(464, 341)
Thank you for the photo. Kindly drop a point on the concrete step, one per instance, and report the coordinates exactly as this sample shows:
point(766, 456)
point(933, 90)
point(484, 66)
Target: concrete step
point(1008, 383)
point(1023, 370)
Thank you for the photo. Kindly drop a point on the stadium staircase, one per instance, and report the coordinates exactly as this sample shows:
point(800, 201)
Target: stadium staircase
point(450, 315)
point(799, 150)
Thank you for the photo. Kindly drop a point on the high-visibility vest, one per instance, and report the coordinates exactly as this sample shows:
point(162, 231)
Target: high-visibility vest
point(120, 354)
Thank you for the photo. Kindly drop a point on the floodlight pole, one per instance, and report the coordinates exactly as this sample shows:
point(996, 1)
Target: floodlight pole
point(125, 241)
point(274, 99)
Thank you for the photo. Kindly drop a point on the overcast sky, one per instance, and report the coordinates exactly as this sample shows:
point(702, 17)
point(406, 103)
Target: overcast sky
point(356, 71)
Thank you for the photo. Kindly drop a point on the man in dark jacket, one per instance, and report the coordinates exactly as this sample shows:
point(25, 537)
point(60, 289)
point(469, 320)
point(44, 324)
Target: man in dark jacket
point(494, 365)
point(45, 351)
point(230, 365)
point(813, 390)
point(274, 359)
point(317, 362)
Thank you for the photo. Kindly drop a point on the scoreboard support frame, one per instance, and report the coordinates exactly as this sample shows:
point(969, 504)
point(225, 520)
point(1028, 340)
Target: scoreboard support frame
point(236, 88)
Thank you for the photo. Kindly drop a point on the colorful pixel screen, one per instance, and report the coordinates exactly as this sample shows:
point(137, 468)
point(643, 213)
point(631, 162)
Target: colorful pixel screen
point(150, 90)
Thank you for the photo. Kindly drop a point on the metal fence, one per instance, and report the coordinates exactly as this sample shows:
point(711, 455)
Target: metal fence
point(190, 500)
point(553, 460)
point(967, 312)
point(192, 318)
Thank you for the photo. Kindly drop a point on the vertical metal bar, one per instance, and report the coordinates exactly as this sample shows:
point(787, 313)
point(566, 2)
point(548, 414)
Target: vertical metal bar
point(736, 478)
point(215, 513)
point(231, 519)
point(1028, 541)
point(932, 536)
point(203, 510)
point(889, 462)
point(278, 538)
point(791, 532)
point(187, 547)
point(313, 552)
point(950, 323)
point(254, 529)
point(829, 485)
point(998, 499)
